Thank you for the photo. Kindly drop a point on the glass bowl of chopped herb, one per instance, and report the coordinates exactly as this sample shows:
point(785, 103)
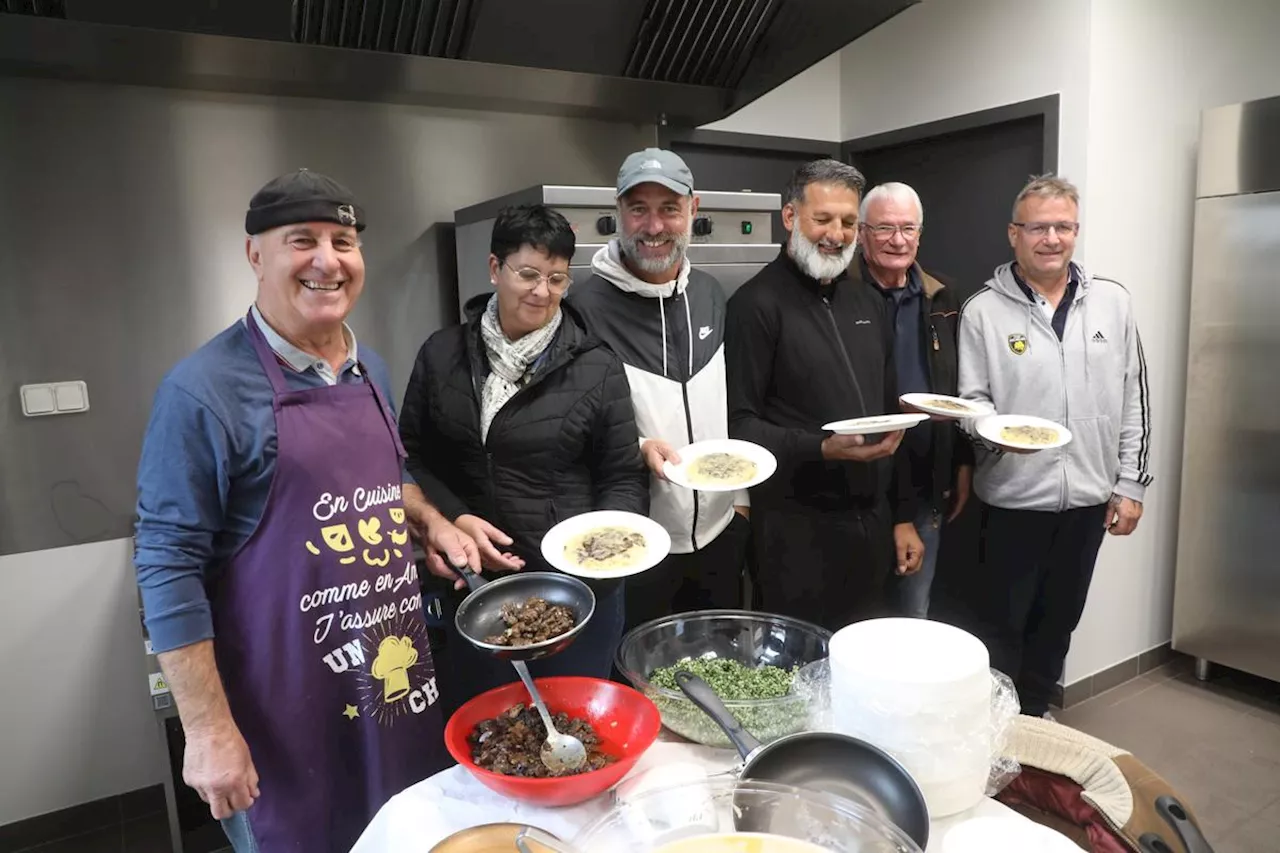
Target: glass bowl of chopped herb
point(749, 659)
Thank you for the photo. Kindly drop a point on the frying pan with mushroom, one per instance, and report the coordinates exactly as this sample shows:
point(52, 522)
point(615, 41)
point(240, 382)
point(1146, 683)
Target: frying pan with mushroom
point(480, 613)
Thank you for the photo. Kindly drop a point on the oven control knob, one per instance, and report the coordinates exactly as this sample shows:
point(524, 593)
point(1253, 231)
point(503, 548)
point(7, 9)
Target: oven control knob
point(702, 226)
point(606, 225)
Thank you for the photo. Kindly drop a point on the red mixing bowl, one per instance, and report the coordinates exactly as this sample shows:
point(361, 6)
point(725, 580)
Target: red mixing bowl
point(625, 720)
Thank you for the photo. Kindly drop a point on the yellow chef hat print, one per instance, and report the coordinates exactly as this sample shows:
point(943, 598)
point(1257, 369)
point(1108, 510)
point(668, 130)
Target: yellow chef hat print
point(395, 656)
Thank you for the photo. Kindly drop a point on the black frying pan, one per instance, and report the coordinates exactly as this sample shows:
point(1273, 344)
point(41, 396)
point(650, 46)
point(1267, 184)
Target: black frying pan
point(821, 761)
point(480, 613)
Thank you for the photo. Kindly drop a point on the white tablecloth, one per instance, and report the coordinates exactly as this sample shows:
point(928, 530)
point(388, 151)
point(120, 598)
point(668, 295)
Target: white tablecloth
point(422, 816)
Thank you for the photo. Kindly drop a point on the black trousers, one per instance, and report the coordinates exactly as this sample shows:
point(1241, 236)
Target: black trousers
point(706, 579)
point(1027, 593)
point(829, 567)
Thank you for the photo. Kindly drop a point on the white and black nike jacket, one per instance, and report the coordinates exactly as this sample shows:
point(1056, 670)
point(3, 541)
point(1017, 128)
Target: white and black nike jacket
point(670, 338)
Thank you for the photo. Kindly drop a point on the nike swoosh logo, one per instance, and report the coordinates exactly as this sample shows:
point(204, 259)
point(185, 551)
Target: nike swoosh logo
point(704, 333)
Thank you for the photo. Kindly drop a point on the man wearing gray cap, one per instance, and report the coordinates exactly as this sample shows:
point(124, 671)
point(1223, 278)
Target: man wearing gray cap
point(279, 589)
point(666, 322)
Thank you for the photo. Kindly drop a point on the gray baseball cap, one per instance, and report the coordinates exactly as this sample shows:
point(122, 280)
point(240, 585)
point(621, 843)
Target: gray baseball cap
point(658, 166)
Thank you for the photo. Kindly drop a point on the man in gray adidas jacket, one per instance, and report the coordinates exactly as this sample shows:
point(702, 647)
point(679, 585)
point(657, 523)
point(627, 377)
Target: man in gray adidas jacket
point(1045, 338)
point(666, 321)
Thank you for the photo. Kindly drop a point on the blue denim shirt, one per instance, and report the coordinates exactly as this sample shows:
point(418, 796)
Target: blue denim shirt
point(207, 462)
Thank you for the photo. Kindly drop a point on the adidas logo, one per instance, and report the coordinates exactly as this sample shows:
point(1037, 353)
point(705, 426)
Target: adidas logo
point(1099, 338)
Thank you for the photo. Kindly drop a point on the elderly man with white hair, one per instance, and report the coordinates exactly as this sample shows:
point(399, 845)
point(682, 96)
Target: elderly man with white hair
point(922, 312)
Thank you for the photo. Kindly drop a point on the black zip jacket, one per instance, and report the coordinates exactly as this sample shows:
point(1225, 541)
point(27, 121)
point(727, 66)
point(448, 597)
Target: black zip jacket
point(565, 444)
point(939, 322)
point(800, 355)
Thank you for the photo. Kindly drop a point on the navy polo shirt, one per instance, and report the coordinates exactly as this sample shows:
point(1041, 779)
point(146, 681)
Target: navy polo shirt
point(911, 365)
point(1058, 317)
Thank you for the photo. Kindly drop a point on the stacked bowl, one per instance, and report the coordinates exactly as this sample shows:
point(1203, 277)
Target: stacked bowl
point(922, 692)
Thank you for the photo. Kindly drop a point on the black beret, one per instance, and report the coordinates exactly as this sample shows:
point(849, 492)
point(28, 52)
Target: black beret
point(302, 196)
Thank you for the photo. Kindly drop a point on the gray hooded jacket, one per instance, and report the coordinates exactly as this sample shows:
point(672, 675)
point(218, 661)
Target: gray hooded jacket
point(1093, 381)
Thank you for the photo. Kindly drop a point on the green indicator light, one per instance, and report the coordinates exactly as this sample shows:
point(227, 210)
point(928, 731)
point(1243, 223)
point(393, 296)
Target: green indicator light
point(746, 227)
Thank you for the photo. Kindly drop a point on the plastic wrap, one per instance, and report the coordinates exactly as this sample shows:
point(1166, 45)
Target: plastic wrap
point(922, 734)
point(812, 684)
point(1004, 710)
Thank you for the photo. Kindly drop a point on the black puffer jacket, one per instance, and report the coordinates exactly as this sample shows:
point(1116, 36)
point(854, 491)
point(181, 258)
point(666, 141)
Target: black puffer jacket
point(565, 444)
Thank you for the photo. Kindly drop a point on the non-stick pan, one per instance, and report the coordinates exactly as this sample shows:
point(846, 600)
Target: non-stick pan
point(480, 613)
point(821, 761)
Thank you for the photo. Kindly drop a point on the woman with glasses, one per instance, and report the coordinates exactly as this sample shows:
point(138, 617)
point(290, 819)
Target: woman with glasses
point(513, 422)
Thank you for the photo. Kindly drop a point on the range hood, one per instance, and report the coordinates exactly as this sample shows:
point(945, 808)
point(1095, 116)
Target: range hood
point(677, 62)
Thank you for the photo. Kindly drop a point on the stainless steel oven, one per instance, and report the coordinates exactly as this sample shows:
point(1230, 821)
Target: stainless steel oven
point(732, 234)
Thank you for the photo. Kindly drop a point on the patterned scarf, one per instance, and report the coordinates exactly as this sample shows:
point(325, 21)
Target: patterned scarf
point(509, 361)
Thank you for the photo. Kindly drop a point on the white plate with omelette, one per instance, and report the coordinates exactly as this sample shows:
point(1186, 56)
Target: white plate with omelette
point(721, 465)
point(876, 424)
point(1023, 433)
point(606, 544)
point(944, 406)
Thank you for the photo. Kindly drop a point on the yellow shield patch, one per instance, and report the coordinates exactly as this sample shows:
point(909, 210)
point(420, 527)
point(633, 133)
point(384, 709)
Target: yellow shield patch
point(1018, 344)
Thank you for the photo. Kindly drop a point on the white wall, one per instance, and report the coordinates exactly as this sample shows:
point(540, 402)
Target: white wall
point(805, 107)
point(75, 719)
point(943, 58)
point(1133, 76)
point(1154, 65)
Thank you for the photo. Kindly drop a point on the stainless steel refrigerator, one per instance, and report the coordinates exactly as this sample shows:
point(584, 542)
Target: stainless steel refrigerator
point(1227, 593)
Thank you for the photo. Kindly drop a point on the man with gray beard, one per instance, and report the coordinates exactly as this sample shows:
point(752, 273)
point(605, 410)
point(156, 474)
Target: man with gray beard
point(666, 321)
point(808, 346)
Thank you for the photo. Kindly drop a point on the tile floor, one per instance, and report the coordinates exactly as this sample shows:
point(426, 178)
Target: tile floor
point(1218, 744)
point(148, 834)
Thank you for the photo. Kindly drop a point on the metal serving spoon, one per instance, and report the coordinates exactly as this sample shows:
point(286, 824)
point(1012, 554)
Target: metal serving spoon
point(560, 752)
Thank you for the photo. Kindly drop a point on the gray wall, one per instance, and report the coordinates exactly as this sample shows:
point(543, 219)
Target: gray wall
point(121, 233)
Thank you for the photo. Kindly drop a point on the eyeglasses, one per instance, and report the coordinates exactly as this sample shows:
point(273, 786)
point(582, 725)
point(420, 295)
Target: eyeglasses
point(529, 277)
point(884, 233)
point(1041, 229)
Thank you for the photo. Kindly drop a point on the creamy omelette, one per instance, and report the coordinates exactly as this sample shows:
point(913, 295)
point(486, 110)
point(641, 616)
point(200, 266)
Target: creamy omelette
point(1029, 436)
point(605, 548)
point(721, 469)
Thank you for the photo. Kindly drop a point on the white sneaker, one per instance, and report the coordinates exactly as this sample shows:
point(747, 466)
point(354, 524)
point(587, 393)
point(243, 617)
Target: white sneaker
point(1050, 717)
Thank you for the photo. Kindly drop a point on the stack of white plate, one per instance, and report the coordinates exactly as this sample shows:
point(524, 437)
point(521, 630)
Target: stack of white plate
point(921, 691)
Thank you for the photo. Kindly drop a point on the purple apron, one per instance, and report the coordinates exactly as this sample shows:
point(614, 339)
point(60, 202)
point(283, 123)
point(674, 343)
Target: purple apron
point(320, 638)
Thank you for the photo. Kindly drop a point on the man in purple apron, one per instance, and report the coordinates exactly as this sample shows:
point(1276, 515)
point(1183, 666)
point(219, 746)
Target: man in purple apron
point(273, 554)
